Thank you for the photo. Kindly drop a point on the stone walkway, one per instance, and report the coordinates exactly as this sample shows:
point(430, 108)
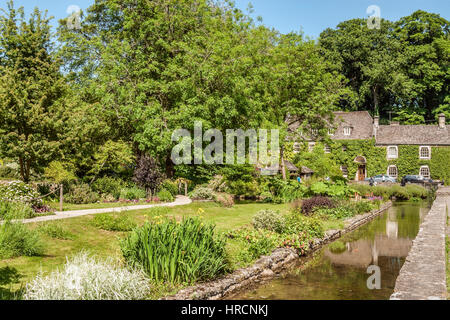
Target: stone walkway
point(180, 201)
point(423, 276)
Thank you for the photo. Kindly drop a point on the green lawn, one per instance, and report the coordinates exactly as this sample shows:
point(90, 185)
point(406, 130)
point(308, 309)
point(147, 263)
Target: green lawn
point(105, 243)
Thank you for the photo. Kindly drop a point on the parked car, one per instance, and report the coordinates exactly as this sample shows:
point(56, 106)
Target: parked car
point(381, 178)
point(415, 179)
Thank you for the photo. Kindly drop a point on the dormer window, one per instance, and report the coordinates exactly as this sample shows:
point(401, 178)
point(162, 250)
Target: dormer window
point(392, 152)
point(347, 131)
point(425, 153)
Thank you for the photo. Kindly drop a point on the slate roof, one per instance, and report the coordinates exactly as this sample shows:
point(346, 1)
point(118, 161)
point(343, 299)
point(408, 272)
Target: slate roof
point(360, 121)
point(362, 125)
point(413, 135)
point(306, 170)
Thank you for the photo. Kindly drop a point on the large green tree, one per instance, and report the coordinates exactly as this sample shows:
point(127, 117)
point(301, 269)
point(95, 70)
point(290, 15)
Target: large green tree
point(31, 91)
point(371, 60)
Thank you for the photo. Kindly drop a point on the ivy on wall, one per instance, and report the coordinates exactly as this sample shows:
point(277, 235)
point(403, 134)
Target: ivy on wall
point(344, 153)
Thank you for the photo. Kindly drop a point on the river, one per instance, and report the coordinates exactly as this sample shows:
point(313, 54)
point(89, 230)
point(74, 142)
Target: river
point(338, 271)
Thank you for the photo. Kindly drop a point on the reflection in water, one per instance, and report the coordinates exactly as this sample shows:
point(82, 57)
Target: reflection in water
point(338, 271)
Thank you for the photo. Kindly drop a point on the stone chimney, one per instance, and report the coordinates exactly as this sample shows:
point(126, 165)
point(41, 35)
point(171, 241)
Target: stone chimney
point(442, 121)
point(376, 125)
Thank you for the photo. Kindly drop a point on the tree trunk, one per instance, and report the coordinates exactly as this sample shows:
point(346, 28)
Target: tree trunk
point(61, 197)
point(283, 166)
point(170, 169)
point(375, 99)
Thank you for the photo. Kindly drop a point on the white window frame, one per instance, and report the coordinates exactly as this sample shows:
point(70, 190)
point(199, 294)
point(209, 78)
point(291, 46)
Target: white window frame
point(311, 146)
point(327, 149)
point(429, 172)
point(331, 132)
point(389, 156)
point(429, 153)
point(389, 169)
point(343, 173)
point(348, 131)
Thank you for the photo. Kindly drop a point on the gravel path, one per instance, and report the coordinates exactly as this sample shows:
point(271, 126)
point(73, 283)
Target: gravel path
point(180, 201)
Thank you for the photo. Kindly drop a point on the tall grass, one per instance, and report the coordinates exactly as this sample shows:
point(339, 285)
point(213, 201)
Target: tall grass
point(176, 253)
point(17, 240)
point(15, 210)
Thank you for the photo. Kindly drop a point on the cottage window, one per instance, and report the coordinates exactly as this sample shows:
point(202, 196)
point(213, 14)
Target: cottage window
point(327, 149)
point(311, 146)
point(347, 131)
point(331, 132)
point(392, 152)
point(425, 172)
point(344, 170)
point(425, 153)
point(393, 172)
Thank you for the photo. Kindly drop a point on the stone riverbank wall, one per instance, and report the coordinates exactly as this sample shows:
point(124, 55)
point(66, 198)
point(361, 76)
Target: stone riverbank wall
point(422, 277)
point(266, 268)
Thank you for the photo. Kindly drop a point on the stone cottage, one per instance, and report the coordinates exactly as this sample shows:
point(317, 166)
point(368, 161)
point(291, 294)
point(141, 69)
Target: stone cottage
point(400, 149)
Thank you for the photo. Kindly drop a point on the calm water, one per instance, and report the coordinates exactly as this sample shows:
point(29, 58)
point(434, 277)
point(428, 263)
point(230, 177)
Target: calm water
point(338, 271)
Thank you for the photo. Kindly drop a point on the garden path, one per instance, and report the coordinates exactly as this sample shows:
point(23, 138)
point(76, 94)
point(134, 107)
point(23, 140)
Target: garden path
point(179, 201)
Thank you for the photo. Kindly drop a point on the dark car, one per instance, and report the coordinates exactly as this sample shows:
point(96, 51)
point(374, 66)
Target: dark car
point(415, 179)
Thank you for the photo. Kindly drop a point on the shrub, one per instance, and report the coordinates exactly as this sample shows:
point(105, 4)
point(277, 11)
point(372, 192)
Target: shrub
point(309, 205)
point(218, 184)
point(177, 253)
point(108, 185)
point(7, 172)
point(170, 186)
point(309, 227)
point(17, 191)
point(341, 212)
point(165, 196)
point(269, 220)
point(203, 193)
point(417, 191)
point(86, 278)
point(82, 194)
point(225, 200)
point(241, 188)
point(400, 193)
point(17, 240)
point(118, 223)
point(363, 206)
point(56, 231)
point(266, 197)
point(133, 193)
point(15, 210)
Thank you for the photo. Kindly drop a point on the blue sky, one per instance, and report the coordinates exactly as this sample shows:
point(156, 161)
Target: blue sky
point(311, 16)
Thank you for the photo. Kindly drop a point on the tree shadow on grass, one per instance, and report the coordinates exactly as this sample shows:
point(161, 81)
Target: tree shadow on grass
point(8, 277)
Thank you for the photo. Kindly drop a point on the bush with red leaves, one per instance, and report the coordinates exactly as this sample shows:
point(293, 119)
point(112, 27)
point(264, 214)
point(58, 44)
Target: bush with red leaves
point(309, 205)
